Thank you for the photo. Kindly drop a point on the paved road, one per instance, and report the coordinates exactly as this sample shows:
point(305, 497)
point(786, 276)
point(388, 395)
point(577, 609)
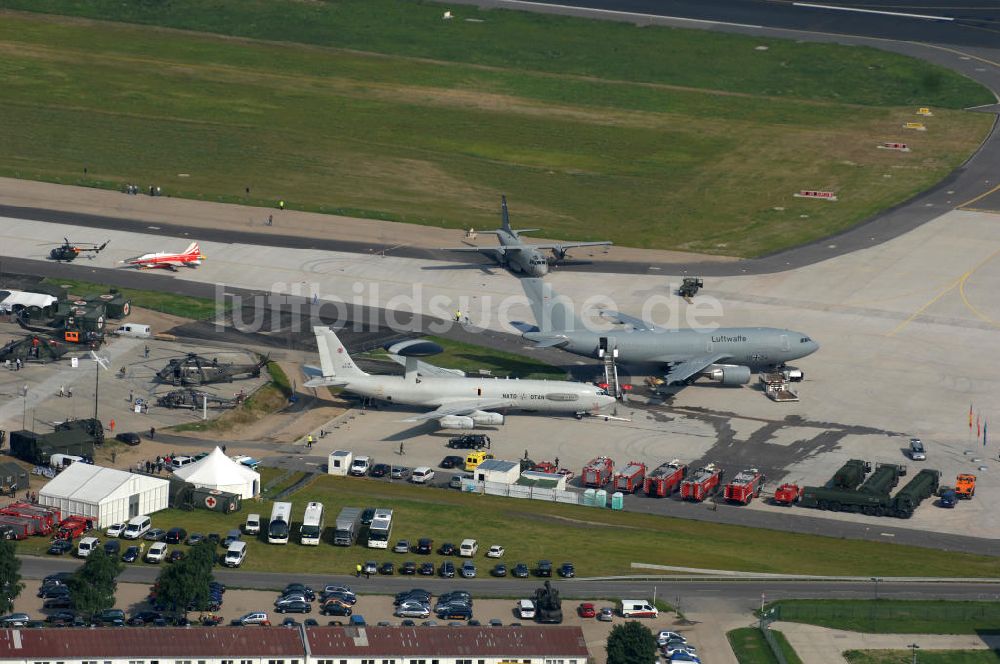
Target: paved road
point(745, 594)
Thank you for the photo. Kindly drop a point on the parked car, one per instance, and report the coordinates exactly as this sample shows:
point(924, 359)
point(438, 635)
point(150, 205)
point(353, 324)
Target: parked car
point(50, 591)
point(15, 620)
point(422, 475)
point(175, 556)
point(154, 534)
point(309, 593)
point(402, 546)
point(112, 617)
point(380, 470)
point(61, 546)
point(175, 536)
point(61, 602)
point(520, 571)
point(387, 568)
point(367, 515)
point(452, 461)
point(454, 613)
point(567, 571)
point(131, 554)
point(156, 553)
point(400, 472)
point(334, 608)
point(370, 567)
point(61, 617)
point(499, 570)
point(112, 547)
point(146, 618)
point(468, 570)
point(447, 549)
point(425, 546)
point(129, 438)
point(606, 614)
point(194, 539)
point(294, 606)
point(586, 610)
point(115, 530)
point(495, 551)
point(472, 441)
point(409, 568)
point(412, 610)
point(544, 568)
point(252, 618)
point(526, 609)
point(447, 570)
point(415, 594)
point(665, 635)
point(917, 452)
point(426, 569)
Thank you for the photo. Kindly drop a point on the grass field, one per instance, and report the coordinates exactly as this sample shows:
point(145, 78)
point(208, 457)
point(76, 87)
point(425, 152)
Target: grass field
point(895, 616)
point(427, 121)
point(472, 358)
point(178, 305)
point(599, 542)
point(750, 647)
point(923, 656)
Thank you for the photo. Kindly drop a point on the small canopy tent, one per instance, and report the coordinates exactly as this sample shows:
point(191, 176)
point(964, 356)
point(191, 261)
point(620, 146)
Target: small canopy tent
point(217, 471)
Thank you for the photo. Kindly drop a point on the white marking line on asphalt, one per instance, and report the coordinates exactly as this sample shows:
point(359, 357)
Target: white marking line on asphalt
point(859, 10)
point(615, 12)
point(887, 534)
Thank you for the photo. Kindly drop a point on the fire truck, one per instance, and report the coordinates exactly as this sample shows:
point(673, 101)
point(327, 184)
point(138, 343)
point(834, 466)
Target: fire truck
point(630, 478)
point(787, 494)
point(598, 472)
point(665, 478)
point(702, 484)
point(744, 487)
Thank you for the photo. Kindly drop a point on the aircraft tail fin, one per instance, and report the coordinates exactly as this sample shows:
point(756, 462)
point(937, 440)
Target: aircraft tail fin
point(505, 215)
point(334, 359)
point(192, 248)
point(553, 312)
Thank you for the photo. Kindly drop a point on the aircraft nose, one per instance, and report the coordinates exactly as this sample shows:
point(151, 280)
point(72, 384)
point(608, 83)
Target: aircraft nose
point(604, 400)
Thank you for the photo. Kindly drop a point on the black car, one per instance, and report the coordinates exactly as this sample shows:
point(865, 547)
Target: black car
point(155, 535)
point(454, 613)
point(387, 568)
point(367, 516)
point(452, 461)
point(175, 556)
point(447, 549)
point(470, 441)
point(520, 571)
point(409, 567)
point(61, 602)
point(61, 546)
point(336, 609)
point(544, 568)
point(194, 538)
point(112, 547)
point(61, 617)
point(146, 618)
point(499, 570)
point(131, 554)
point(214, 538)
point(426, 569)
point(175, 536)
point(447, 570)
point(425, 546)
point(50, 591)
point(567, 571)
point(309, 593)
point(379, 470)
point(414, 595)
point(344, 598)
point(57, 578)
point(129, 438)
point(112, 617)
point(295, 606)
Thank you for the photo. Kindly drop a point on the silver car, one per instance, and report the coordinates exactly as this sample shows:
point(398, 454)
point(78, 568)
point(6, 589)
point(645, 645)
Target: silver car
point(413, 610)
point(917, 452)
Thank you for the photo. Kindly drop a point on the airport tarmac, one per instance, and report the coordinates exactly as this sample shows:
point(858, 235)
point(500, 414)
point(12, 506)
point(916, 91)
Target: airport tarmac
point(907, 331)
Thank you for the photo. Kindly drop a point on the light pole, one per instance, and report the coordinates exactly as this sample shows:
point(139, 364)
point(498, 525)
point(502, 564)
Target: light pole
point(914, 647)
point(876, 579)
point(24, 406)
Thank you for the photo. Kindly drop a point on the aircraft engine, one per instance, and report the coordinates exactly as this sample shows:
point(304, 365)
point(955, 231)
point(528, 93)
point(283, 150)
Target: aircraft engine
point(456, 422)
point(558, 254)
point(729, 374)
point(793, 375)
point(481, 417)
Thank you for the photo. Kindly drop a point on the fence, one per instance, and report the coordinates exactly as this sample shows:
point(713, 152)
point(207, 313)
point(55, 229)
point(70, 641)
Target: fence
point(518, 491)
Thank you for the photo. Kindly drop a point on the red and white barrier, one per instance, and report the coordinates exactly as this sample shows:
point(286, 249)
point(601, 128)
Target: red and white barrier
point(809, 193)
point(901, 147)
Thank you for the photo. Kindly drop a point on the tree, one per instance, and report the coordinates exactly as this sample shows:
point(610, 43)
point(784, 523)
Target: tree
point(10, 575)
point(184, 585)
point(93, 586)
point(631, 643)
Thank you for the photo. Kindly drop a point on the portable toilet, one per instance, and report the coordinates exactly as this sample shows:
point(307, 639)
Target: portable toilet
point(601, 498)
point(339, 462)
point(588, 497)
point(617, 500)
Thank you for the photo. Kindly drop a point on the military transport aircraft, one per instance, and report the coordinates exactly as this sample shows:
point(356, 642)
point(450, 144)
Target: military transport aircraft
point(727, 355)
point(456, 402)
point(190, 257)
point(516, 256)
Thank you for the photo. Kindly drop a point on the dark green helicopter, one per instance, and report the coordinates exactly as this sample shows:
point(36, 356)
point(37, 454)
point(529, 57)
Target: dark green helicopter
point(68, 251)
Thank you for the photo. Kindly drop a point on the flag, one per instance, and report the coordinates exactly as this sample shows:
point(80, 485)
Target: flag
point(984, 434)
point(979, 430)
point(970, 417)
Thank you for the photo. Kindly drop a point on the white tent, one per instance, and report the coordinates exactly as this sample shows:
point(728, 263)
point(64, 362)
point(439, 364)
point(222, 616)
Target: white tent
point(10, 300)
point(104, 494)
point(217, 471)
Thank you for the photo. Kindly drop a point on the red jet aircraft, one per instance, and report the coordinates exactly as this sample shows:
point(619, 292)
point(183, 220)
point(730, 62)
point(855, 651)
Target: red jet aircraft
point(191, 257)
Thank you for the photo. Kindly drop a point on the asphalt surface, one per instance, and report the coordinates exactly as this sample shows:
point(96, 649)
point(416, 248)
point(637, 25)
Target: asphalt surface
point(685, 593)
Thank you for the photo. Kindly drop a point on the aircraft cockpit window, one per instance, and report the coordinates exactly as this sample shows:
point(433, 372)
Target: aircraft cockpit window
point(804, 340)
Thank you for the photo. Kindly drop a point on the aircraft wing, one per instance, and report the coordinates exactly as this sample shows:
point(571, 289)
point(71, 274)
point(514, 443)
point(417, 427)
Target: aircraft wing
point(427, 369)
point(460, 408)
point(629, 321)
point(568, 245)
point(683, 370)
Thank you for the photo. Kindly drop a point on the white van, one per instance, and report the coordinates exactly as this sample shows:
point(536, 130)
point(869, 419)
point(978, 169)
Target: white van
point(134, 330)
point(137, 527)
point(235, 554)
point(252, 526)
point(87, 545)
point(180, 462)
point(60, 461)
point(526, 609)
point(638, 608)
point(361, 465)
point(468, 548)
point(422, 475)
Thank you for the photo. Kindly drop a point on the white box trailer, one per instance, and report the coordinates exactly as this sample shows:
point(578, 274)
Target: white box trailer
point(339, 462)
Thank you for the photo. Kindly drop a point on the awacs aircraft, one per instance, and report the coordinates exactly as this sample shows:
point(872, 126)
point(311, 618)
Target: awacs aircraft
point(516, 256)
point(728, 355)
point(456, 402)
point(190, 257)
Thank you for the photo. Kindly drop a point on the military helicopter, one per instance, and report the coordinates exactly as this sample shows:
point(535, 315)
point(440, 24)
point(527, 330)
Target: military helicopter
point(32, 348)
point(193, 369)
point(68, 251)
